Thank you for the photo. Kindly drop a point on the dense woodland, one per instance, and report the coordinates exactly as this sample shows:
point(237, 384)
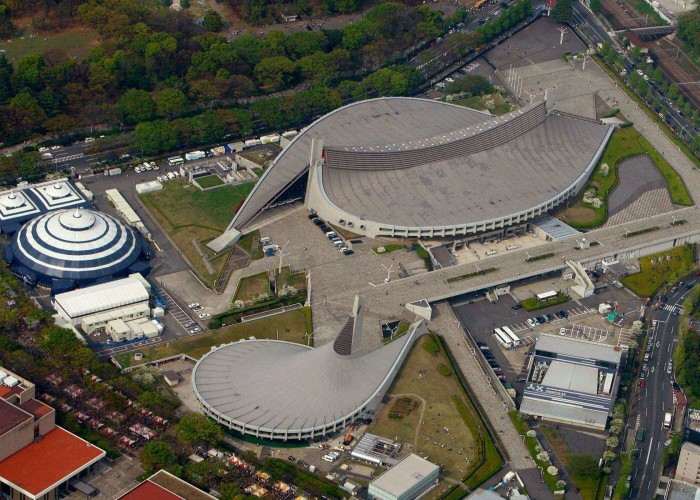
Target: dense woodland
point(689, 31)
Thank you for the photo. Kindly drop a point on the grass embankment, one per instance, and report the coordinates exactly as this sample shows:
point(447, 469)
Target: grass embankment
point(207, 181)
point(251, 244)
point(251, 287)
point(190, 215)
point(625, 143)
point(290, 326)
point(76, 43)
point(649, 279)
point(532, 304)
point(429, 389)
point(650, 113)
point(345, 233)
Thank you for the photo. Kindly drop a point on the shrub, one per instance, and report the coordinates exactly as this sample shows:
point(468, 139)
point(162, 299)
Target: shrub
point(444, 370)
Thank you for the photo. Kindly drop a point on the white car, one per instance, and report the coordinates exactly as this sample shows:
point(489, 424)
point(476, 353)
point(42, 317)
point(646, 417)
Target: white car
point(449, 80)
point(195, 330)
point(204, 315)
point(42, 150)
point(193, 305)
point(138, 170)
point(54, 148)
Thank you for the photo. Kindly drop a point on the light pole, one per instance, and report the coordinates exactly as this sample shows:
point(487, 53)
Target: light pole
point(282, 254)
point(388, 272)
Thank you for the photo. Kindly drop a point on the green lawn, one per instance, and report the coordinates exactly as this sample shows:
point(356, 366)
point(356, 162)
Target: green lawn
point(188, 214)
point(651, 276)
point(251, 287)
point(75, 43)
point(388, 248)
point(446, 405)
point(296, 280)
point(624, 143)
point(471, 102)
point(207, 181)
point(532, 304)
point(291, 327)
point(250, 242)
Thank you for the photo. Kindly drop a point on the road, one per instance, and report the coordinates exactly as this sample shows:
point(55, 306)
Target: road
point(656, 398)
point(593, 32)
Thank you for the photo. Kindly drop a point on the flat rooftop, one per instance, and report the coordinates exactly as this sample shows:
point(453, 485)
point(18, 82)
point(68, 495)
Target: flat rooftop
point(58, 455)
point(575, 348)
point(405, 474)
point(11, 416)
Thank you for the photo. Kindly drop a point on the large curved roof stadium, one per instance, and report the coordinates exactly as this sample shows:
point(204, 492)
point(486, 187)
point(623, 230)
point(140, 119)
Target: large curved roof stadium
point(284, 391)
point(75, 247)
point(422, 168)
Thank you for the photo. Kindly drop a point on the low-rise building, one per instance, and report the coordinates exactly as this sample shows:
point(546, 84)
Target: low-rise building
point(688, 468)
point(572, 380)
point(38, 459)
point(409, 479)
point(120, 330)
point(93, 307)
point(376, 449)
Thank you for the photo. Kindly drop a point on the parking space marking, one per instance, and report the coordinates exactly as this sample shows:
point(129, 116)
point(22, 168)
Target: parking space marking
point(177, 312)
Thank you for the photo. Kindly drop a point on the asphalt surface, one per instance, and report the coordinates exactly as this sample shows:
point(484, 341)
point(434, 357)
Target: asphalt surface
point(656, 398)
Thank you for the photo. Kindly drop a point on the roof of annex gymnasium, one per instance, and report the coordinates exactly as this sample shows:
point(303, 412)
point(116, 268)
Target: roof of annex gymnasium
point(105, 296)
point(282, 386)
point(457, 165)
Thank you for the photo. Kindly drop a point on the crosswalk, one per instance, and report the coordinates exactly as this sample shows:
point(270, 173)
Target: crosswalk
point(673, 308)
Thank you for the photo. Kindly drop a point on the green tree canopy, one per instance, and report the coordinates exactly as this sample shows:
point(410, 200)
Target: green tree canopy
point(136, 106)
point(275, 73)
point(156, 455)
point(170, 102)
point(212, 21)
point(563, 11)
point(195, 427)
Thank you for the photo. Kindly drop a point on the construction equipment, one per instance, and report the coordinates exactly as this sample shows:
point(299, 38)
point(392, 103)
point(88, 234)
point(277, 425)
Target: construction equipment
point(349, 437)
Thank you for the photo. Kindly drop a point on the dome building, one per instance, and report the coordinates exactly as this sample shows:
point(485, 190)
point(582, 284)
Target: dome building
point(65, 249)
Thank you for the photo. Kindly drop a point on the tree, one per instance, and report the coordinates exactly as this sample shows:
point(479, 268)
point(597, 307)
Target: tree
point(229, 491)
point(563, 11)
point(195, 427)
point(212, 21)
point(136, 106)
point(470, 84)
point(275, 73)
point(6, 71)
point(156, 455)
point(170, 102)
point(595, 6)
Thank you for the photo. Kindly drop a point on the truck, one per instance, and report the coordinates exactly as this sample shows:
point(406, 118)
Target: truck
point(667, 420)
point(114, 171)
point(194, 155)
point(641, 432)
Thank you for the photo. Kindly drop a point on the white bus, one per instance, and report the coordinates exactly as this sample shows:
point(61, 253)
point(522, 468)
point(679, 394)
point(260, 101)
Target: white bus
point(175, 160)
point(542, 297)
point(513, 337)
point(503, 338)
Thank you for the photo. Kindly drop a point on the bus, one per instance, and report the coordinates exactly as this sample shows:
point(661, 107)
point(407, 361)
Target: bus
point(513, 337)
point(543, 297)
point(503, 338)
point(175, 160)
point(479, 4)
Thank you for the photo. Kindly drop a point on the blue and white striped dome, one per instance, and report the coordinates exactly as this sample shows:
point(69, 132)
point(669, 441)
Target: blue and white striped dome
point(79, 245)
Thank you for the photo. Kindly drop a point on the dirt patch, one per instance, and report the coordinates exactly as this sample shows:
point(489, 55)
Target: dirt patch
point(582, 215)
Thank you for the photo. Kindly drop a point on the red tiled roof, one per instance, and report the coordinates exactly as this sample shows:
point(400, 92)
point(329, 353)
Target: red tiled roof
point(36, 408)
point(150, 491)
point(4, 390)
point(58, 455)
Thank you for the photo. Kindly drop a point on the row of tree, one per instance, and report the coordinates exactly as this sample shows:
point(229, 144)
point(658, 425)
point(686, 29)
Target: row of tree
point(270, 11)
point(156, 63)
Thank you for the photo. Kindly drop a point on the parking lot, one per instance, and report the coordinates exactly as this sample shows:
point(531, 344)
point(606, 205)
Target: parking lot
point(582, 321)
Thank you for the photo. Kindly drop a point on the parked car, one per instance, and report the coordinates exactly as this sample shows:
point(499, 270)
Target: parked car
point(193, 305)
point(516, 307)
point(348, 251)
point(195, 330)
point(291, 458)
point(302, 464)
point(204, 315)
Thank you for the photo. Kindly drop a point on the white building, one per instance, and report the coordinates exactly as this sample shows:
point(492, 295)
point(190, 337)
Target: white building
point(120, 299)
point(140, 328)
point(407, 480)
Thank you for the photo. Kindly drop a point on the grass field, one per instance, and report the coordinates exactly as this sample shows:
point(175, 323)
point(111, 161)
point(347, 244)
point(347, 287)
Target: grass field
point(297, 280)
point(388, 248)
point(207, 181)
point(75, 43)
point(252, 286)
point(647, 281)
point(291, 327)
point(420, 381)
point(624, 143)
point(187, 213)
point(251, 244)
point(471, 102)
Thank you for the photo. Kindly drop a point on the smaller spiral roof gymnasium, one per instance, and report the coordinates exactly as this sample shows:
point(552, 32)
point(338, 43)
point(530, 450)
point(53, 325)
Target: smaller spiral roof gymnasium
point(279, 390)
point(75, 247)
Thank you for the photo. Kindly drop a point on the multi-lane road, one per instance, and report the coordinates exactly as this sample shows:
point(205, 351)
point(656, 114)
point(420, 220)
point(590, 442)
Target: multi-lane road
point(656, 398)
